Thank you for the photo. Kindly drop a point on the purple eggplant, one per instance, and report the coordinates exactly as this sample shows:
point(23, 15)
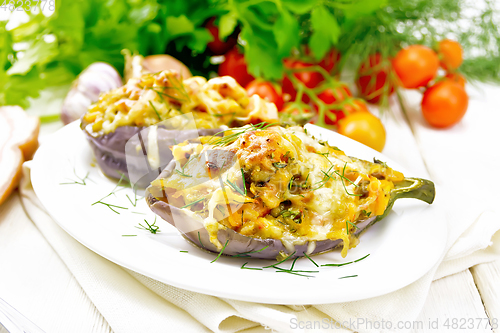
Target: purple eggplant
point(115, 161)
point(191, 226)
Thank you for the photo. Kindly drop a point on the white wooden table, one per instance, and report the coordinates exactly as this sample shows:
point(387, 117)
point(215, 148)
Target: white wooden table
point(36, 282)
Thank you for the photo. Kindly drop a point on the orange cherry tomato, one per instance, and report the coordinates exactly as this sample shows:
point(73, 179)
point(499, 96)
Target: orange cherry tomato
point(415, 66)
point(450, 53)
point(372, 78)
point(458, 78)
point(444, 104)
point(265, 90)
point(365, 128)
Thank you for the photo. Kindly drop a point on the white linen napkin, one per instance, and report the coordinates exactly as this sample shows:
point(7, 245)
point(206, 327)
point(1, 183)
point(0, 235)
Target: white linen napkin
point(131, 302)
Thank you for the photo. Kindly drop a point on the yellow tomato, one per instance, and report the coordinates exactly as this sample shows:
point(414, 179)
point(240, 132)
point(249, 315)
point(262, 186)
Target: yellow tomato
point(365, 128)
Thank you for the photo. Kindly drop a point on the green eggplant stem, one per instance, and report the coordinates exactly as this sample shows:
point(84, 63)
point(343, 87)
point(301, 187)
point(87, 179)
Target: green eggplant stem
point(415, 188)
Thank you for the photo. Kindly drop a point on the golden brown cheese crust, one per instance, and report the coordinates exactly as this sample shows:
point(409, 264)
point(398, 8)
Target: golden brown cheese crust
point(296, 187)
point(156, 97)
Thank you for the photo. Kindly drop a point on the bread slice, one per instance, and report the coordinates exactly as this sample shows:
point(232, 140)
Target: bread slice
point(18, 143)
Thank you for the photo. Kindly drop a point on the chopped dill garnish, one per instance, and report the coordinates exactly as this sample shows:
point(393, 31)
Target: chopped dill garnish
point(223, 248)
point(348, 276)
point(247, 253)
point(109, 206)
point(282, 261)
point(138, 213)
point(279, 165)
point(152, 228)
point(184, 251)
point(129, 235)
point(347, 225)
point(192, 203)
point(199, 239)
point(345, 263)
point(243, 267)
point(225, 140)
point(325, 155)
point(235, 187)
point(366, 213)
point(156, 111)
point(182, 173)
point(244, 184)
point(80, 181)
point(343, 184)
point(315, 264)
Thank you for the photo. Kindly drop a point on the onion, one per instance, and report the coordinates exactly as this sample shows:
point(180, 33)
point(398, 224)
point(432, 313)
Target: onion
point(137, 65)
point(97, 78)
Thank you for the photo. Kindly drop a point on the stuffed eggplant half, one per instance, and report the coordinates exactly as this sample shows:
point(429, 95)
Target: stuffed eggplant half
point(268, 192)
point(158, 110)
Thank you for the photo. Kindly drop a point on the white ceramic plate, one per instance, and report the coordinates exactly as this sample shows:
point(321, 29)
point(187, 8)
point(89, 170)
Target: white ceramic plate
point(402, 247)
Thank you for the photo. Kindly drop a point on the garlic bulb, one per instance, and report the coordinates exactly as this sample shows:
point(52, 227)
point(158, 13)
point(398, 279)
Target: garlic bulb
point(97, 78)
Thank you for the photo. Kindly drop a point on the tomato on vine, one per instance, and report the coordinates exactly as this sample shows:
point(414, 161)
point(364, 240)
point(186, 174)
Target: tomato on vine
point(266, 90)
point(450, 53)
point(330, 61)
point(444, 104)
point(373, 82)
point(310, 79)
point(332, 96)
point(415, 66)
point(217, 46)
point(365, 128)
point(234, 65)
point(457, 78)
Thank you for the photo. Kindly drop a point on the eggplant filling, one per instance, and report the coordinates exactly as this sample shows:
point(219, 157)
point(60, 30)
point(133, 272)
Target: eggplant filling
point(156, 97)
point(276, 183)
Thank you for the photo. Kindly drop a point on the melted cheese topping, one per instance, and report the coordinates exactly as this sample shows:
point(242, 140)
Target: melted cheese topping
point(156, 97)
point(295, 188)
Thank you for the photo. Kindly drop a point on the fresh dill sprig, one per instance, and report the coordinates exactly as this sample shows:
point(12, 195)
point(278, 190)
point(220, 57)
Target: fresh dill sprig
point(129, 235)
point(220, 253)
point(184, 251)
point(199, 239)
point(152, 228)
point(348, 276)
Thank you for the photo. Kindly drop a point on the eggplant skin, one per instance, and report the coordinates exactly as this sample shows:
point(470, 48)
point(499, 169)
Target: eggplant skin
point(237, 244)
point(109, 150)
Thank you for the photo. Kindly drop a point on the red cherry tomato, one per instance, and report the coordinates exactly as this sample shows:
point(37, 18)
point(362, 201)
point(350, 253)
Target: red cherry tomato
point(217, 46)
point(234, 65)
point(372, 79)
point(330, 61)
point(415, 66)
point(444, 104)
point(309, 78)
point(265, 90)
point(332, 96)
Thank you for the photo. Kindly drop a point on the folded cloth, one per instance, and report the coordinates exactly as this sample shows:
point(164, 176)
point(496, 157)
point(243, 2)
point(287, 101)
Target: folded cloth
point(131, 302)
